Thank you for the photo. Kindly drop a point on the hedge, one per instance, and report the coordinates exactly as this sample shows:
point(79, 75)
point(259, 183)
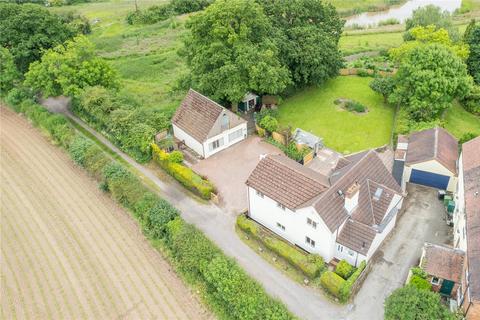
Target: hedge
point(344, 269)
point(419, 283)
point(346, 290)
point(186, 176)
point(231, 293)
point(311, 265)
point(332, 282)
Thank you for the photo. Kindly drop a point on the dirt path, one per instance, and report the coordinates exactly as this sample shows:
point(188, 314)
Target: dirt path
point(67, 251)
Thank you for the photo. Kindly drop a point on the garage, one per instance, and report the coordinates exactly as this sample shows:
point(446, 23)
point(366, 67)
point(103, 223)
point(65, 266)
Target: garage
point(429, 179)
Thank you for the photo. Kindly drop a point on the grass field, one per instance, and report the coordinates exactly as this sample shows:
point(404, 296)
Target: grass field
point(348, 7)
point(67, 251)
point(458, 121)
point(314, 110)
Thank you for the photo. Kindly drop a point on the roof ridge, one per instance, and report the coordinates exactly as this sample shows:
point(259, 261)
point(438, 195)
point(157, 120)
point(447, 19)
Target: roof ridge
point(272, 156)
point(370, 201)
point(381, 184)
point(218, 104)
point(435, 145)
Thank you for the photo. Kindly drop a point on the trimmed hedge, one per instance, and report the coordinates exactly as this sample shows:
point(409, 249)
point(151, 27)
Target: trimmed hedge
point(231, 293)
point(344, 269)
point(186, 176)
point(311, 265)
point(346, 290)
point(332, 282)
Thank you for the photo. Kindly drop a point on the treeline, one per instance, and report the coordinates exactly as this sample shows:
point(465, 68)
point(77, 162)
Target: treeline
point(230, 292)
point(162, 12)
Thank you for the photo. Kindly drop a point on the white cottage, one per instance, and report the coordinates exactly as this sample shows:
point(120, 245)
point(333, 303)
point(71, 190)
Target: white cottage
point(205, 126)
point(346, 215)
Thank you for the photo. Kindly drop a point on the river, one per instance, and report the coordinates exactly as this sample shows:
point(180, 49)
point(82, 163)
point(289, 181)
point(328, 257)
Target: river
point(401, 13)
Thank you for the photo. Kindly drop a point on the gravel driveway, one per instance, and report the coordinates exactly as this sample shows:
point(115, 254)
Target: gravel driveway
point(230, 168)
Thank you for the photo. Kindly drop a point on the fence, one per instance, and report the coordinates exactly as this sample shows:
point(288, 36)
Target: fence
point(280, 138)
point(361, 278)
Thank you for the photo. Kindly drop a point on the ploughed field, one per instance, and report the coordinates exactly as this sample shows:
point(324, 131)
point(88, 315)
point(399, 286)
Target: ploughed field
point(67, 250)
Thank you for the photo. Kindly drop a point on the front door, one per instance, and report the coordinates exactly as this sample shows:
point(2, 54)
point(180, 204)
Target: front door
point(447, 287)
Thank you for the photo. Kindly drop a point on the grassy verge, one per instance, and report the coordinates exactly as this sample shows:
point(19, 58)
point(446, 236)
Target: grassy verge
point(458, 121)
point(314, 110)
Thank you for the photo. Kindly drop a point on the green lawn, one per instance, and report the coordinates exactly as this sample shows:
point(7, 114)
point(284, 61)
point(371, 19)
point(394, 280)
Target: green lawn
point(348, 7)
point(314, 110)
point(458, 121)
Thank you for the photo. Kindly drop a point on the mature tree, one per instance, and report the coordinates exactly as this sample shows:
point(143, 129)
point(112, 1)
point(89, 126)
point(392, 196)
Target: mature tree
point(307, 33)
point(431, 15)
point(68, 69)
point(410, 303)
point(8, 71)
point(428, 35)
point(472, 38)
point(428, 80)
point(383, 85)
point(186, 6)
point(28, 29)
point(230, 51)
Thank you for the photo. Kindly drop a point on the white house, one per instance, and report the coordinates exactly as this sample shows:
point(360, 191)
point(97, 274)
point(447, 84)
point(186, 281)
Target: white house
point(346, 215)
point(205, 126)
point(430, 159)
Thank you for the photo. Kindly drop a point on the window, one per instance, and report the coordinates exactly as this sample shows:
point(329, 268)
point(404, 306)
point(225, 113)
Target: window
point(351, 253)
point(215, 144)
point(340, 248)
point(281, 206)
point(280, 226)
point(312, 223)
point(235, 135)
point(225, 122)
point(259, 194)
point(251, 103)
point(435, 280)
point(310, 242)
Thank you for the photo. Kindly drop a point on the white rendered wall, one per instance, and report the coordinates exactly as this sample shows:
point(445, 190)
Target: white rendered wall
point(189, 140)
point(266, 212)
point(430, 166)
point(226, 142)
point(459, 222)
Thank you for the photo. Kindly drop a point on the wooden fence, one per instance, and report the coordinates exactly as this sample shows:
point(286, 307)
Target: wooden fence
point(361, 278)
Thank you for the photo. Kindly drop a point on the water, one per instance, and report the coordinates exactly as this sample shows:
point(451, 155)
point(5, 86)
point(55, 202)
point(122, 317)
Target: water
point(401, 13)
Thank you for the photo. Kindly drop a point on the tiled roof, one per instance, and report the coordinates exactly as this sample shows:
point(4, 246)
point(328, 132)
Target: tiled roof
point(471, 178)
point(330, 205)
point(198, 114)
point(433, 144)
point(443, 262)
point(286, 181)
point(356, 236)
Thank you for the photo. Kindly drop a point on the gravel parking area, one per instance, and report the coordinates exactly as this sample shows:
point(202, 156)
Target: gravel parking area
point(230, 168)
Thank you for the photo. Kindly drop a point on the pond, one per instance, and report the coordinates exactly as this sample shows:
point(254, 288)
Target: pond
point(401, 13)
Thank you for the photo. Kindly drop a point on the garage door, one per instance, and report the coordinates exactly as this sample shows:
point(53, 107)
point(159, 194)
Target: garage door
point(429, 179)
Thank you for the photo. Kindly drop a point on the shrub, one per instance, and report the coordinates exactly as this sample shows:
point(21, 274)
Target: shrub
point(151, 15)
point(269, 123)
point(346, 290)
point(389, 21)
point(187, 6)
point(310, 264)
point(78, 149)
point(344, 269)
point(471, 102)
point(420, 283)
point(182, 174)
point(332, 282)
point(355, 106)
point(467, 137)
point(176, 157)
point(290, 150)
point(362, 73)
point(417, 271)
point(158, 217)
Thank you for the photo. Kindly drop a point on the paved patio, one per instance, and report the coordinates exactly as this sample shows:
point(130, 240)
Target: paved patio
point(230, 168)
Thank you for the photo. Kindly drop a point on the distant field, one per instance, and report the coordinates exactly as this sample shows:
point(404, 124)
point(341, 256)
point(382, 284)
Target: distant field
point(314, 110)
point(67, 251)
point(348, 7)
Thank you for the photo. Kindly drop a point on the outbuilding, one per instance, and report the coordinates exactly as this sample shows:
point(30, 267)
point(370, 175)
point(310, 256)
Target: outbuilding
point(430, 159)
point(205, 126)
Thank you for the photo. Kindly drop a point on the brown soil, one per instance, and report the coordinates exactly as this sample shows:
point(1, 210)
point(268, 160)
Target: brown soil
point(67, 250)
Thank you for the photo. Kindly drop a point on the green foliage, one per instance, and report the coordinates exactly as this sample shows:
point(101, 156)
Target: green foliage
point(27, 30)
point(307, 33)
point(363, 73)
point(428, 81)
point(344, 269)
point(409, 303)
point(346, 289)
point(332, 282)
point(151, 15)
point(420, 283)
point(78, 23)
point(290, 150)
point(389, 21)
point(68, 69)
point(467, 137)
point(186, 176)
point(472, 38)
point(431, 15)
point(176, 156)
point(187, 6)
point(310, 264)
point(355, 106)
point(157, 218)
point(419, 272)
point(8, 71)
point(16, 96)
point(269, 123)
point(230, 51)
point(405, 124)
point(383, 85)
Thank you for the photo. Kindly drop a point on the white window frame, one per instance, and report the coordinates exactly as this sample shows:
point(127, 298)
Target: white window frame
point(261, 195)
point(280, 226)
point(216, 144)
point(237, 134)
point(310, 241)
point(312, 223)
point(340, 248)
point(437, 282)
point(281, 206)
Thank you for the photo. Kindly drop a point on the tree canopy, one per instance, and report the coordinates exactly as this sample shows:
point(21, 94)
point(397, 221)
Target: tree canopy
point(410, 303)
point(431, 15)
point(230, 51)
point(472, 38)
point(428, 80)
point(8, 71)
point(28, 29)
point(68, 69)
point(307, 34)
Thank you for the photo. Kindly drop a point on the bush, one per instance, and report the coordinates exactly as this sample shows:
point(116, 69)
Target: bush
point(182, 174)
point(417, 271)
point(344, 269)
point(187, 6)
point(176, 157)
point(467, 137)
point(269, 123)
point(151, 15)
point(310, 264)
point(363, 73)
point(388, 22)
point(158, 217)
point(420, 283)
point(332, 282)
point(355, 106)
point(290, 150)
point(471, 102)
point(346, 290)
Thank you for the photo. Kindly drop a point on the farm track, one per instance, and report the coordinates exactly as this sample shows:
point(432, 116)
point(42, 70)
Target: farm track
point(67, 251)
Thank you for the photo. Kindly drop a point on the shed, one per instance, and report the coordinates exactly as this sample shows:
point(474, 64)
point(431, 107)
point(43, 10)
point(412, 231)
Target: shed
point(249, 102)
point(303, 137)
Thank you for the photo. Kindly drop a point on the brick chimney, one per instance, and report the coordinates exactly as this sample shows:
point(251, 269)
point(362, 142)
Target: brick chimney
point(351, 197)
